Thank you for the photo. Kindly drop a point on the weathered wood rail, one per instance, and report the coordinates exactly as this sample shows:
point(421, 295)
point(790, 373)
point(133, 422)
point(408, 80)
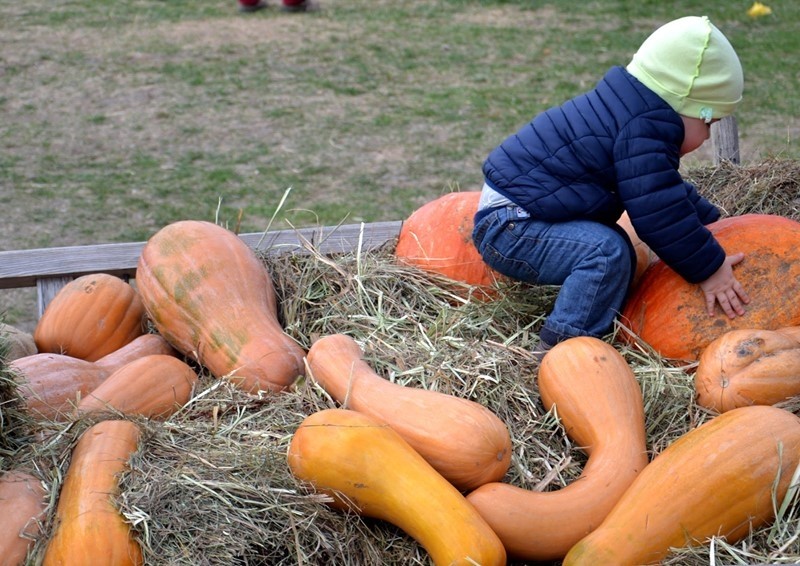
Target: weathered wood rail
point(49, 269)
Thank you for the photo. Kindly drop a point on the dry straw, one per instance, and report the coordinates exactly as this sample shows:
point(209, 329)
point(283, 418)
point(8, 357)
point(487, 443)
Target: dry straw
point(211, 485)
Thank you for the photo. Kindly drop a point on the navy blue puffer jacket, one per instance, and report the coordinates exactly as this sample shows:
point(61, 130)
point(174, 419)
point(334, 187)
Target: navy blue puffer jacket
point(614, 148)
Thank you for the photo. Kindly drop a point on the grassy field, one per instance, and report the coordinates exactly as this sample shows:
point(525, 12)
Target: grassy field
point(118, 118)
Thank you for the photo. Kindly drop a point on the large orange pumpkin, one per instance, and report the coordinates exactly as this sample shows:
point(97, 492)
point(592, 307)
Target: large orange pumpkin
point(669, 314)
point(91, 316)
point(437, 238)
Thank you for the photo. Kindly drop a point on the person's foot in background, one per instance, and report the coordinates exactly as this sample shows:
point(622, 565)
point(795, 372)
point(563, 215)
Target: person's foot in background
point(251, 5)
point(299, 6)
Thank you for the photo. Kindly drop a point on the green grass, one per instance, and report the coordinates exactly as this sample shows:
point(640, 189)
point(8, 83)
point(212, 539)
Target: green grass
point(136, 114)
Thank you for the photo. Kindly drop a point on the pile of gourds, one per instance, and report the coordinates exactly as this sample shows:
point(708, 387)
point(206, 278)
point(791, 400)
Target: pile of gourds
point(430, 463)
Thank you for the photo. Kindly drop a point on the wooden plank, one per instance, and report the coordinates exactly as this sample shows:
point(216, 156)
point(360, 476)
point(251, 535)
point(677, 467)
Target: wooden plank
point(24, 268)
point(725, 140)
point(46, 289)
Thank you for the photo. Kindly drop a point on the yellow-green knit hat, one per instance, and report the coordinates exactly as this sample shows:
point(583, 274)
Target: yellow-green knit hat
point(691, 65)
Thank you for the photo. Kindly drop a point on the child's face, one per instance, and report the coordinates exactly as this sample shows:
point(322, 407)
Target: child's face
point(696, 131)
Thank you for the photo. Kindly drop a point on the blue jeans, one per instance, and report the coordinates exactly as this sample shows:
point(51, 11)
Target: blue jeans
point(593, 263)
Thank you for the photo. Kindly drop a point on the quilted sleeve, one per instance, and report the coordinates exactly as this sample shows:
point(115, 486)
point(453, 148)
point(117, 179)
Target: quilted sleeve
point(706, 211)
point(665, 214)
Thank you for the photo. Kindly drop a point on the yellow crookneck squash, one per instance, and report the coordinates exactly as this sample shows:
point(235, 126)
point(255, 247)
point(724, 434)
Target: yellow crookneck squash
point(364, 465)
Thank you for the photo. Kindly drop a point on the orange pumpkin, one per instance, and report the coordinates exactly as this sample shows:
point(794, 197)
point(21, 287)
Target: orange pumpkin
point(720, 479)
point(748, 367)
point(90, 316)
point(669, 314)
point(22, 509)
point(463, 440)
point(51, 385)
point(593, 391)
point(437, 237)
point(212, 298)
point(89, 529)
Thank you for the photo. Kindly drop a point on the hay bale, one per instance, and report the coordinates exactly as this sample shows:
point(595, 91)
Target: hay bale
point(211, 484)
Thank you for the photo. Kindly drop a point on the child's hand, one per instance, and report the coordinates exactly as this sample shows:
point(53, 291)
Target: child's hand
point(723, 288)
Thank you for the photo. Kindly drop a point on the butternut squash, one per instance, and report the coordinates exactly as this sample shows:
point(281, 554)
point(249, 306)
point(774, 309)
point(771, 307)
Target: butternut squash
point(720, 479)
point(366, 466)
point(22, 511)
point(89, 529)
point(89, 317)
point(593, 391)
point(212, 298)
point(51, 385)
point(748, 367)
point(463, 440)
point(153, 387)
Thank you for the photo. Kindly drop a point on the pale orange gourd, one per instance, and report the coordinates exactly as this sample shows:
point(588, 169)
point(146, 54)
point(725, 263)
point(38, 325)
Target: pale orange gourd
point(463, 440)
point(670, 314)
point(152, 386)
point(437, 237)
point(144, 345)
point(22, 512)
point(365, 465)
point(212, 298)
point(51, 385)
point(593, 391)
point(748, 367)
point(89, 317)
point(720, 479)
point(791, 331)
point(89, 528)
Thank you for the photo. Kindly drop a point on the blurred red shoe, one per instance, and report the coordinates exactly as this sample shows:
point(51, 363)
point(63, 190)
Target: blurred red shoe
point(299, 6)
point(251, 5)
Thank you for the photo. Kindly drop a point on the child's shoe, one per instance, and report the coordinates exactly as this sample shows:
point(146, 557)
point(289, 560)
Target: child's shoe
point(305, 6)
point(540, 350)
point(248, 6)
